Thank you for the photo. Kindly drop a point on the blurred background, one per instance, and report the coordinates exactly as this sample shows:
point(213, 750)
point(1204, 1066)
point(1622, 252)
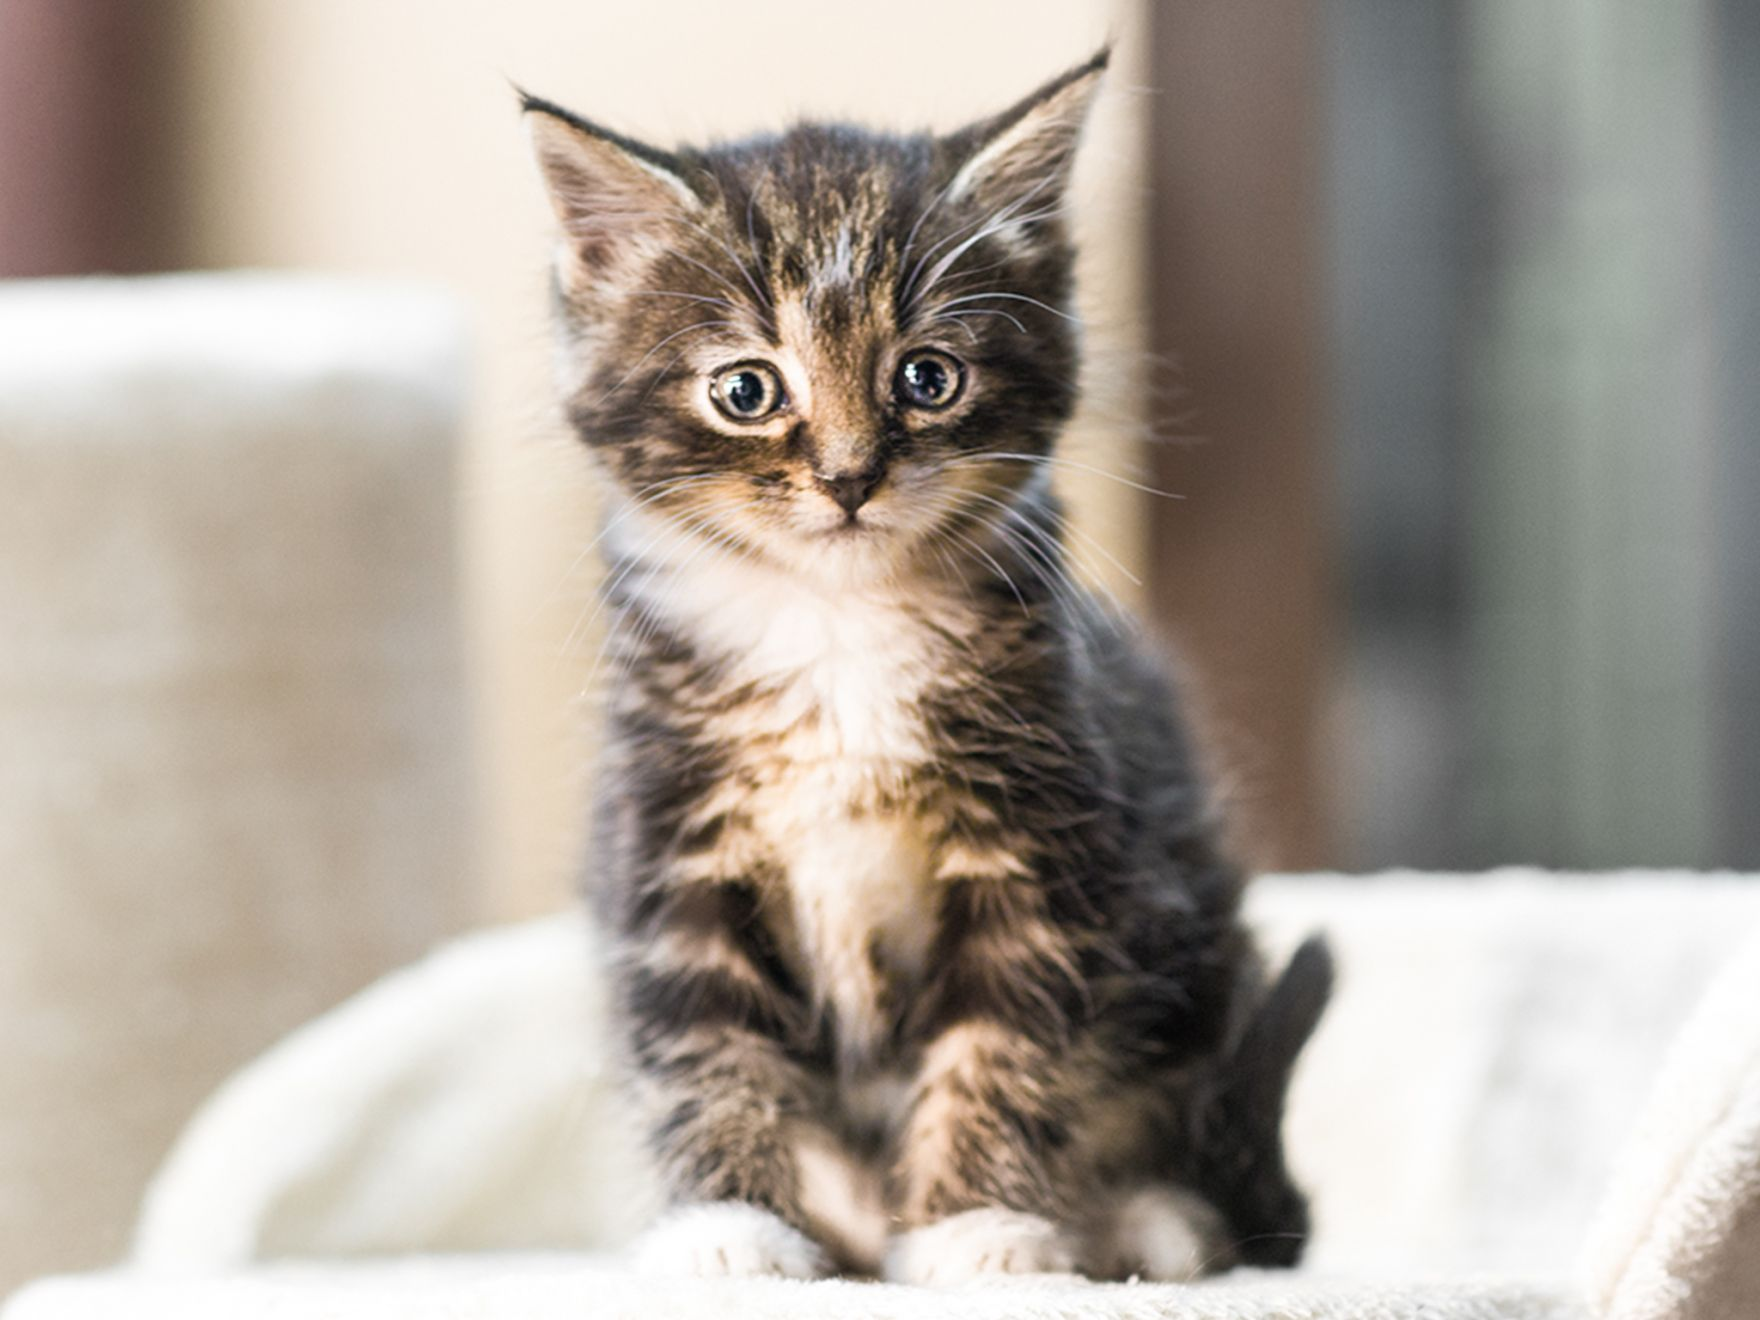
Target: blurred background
point(1437, 322)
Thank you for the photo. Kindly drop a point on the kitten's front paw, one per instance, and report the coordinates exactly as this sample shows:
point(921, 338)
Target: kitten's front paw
point(726, 1239)
point(977, 1243)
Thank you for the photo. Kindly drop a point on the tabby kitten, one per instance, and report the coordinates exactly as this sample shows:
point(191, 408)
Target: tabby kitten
point(928, 961)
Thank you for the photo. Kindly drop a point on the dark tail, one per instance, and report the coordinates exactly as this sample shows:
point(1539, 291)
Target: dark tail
point(1237, 1151)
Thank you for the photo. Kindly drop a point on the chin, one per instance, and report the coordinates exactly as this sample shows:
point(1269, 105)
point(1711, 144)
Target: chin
point(843, 555)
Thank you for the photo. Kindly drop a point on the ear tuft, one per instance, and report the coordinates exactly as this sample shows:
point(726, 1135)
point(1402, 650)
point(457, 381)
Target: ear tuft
point(1024, 155)
point(612, 195)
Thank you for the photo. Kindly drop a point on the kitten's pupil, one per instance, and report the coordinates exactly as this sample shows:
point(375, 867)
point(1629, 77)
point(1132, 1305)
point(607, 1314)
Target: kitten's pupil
point(929, 380)
point(745, 392)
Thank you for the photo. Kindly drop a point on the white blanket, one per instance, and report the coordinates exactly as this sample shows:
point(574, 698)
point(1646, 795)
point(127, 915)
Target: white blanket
point(562, 1288)
point(1459, 1117)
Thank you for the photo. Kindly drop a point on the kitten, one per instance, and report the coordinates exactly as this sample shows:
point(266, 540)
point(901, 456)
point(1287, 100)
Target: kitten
point(929, 961)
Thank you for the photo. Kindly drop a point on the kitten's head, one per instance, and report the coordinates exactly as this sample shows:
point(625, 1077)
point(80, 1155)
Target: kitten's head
point(814, 347)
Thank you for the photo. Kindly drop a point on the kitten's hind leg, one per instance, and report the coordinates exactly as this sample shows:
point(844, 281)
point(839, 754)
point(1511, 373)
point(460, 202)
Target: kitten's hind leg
point(1160, 1232)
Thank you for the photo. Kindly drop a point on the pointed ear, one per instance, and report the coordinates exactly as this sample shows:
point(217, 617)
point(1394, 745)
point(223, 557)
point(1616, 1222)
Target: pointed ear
point(1023, 156)
point(614, 197)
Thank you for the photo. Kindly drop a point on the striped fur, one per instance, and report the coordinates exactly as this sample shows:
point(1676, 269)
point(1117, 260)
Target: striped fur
point(925, 933)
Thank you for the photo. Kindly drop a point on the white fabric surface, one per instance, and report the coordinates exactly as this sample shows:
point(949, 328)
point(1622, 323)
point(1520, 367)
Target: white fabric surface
point(461, 1103)
point(234, 771)
point(1491, 1043)
point(1678, 1237)
point(1457, 1118)
point(561, 1288)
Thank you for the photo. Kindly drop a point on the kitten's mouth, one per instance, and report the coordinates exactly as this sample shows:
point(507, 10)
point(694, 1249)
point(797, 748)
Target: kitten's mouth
point(852, 525)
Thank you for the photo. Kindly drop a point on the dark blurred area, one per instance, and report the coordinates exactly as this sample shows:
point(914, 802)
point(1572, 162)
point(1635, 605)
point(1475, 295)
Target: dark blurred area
point(1541, 350)
point(87, 162)
point(1464, 297)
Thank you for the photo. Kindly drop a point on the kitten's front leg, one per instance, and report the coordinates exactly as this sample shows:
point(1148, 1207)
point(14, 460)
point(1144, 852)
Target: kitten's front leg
point(726, 1131)
point(728, 1102)
point(987, 1177)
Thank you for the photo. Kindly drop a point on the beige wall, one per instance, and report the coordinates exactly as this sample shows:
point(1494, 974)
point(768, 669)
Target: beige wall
point(381, 137)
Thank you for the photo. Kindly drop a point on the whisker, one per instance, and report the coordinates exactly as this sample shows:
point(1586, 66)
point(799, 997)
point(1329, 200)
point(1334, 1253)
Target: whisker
point(650, 613)
point(607, 590)
point(641, 361)
point(981, 222)
point(981, 311)
point(1230, 1250)
point(971, 273)
point(726, 249)
point(641, 499)
point(1058, 461)
point(994, 223)
point(1083, 609)
point(1014, 297)
point(958, 319)
point(1003, 220)
point(751, 280)
point(707, 269)
point(1066, 524)
point(1044, 557)
point(689, 297)
point(990, 559)
point(911, 238)
point(751, 222)
point(727, 284)
point(1046, 568)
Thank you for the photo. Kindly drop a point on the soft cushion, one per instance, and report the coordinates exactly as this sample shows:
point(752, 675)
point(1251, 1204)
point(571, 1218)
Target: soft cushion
point(464, 1104)
point(1678, 1237)
point(1461, 1108)
point(569, 1288)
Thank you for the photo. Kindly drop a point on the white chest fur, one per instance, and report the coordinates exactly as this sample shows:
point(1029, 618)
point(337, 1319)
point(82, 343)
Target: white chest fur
point(821, 762)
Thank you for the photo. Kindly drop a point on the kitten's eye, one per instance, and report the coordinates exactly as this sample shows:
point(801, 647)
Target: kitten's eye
point(748, 392)
point(928, 379)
